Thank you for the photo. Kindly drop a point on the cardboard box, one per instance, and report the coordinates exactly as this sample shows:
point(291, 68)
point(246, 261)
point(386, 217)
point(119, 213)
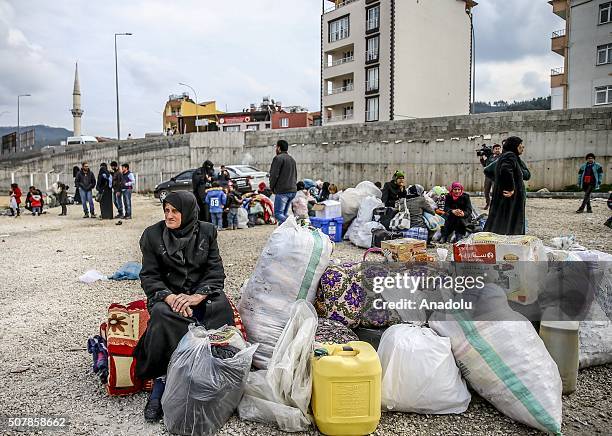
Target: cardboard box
point(328, 209)
point(404, 250)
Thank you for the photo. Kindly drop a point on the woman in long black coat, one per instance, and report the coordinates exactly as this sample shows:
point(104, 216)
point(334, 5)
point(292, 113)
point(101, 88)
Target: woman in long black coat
point(105, 190)
point(507, 211)
point(183, 278)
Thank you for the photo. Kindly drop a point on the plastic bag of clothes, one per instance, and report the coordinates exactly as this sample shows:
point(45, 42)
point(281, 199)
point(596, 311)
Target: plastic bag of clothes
point(128, 271)
point(492, 358)
point(351, 198)
point(289, 268)
point(333, 332)
point(355, 233)
point(419, 373)
point(243, 218)
point(281, 395)
point(203, 390)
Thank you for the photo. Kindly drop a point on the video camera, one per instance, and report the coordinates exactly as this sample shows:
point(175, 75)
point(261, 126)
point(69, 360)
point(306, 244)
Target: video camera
point(485, 150)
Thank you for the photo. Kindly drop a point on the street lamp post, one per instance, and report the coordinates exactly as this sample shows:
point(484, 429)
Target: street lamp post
point(18, 145)
point(196, 102)
point(117, 82)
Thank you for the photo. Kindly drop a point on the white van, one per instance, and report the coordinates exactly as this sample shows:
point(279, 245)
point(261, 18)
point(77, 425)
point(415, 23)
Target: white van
point(73, 140)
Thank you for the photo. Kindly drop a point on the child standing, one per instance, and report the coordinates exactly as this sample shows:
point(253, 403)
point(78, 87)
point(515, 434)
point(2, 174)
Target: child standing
point(234, 202)
point(15, 194)
point(215, 199)
point(62, 197)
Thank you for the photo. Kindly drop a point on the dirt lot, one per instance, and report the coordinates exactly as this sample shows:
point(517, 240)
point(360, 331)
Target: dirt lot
point(47, 316)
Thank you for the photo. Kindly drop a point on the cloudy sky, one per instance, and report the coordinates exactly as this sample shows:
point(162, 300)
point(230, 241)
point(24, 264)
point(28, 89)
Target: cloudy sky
point(234, 52)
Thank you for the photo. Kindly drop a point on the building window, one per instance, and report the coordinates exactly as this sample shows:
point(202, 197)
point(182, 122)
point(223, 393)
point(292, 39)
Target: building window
point(231, 128)
point(268, 125)
point(604, 54)
point(603, 95)
point(347, 112)
point(605, 13)
point(372, 79)
point(339, 29)
point(284, 122)
point(373, 18)
point(372, 47)
point(252, 126)
point(372, 109)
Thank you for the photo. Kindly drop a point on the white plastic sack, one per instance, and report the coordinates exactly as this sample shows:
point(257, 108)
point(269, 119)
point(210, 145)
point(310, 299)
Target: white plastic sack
point(289, 268)
point(595, 338)
point(281, 395)
point(369, 188)
point(202, 391)
point(355, 233)
point(243, 218)
point(92, 276)
point(419, 373)
point(507, 363)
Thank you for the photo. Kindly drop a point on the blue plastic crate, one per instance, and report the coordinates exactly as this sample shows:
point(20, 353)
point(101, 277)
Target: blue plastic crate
point(332, 227)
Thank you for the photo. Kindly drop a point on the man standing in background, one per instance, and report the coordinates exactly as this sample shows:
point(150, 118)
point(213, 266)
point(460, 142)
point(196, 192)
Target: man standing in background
point(283, 180)
point(126, 190)
point(86, 181)
point(485, 162)
point(117, 187)
point(590, 176)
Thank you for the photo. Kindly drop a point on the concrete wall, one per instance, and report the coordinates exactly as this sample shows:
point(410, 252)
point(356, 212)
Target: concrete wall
point(585, 36)
point(431, 151)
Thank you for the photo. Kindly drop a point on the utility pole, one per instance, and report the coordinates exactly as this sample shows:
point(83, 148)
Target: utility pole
point(117, 82)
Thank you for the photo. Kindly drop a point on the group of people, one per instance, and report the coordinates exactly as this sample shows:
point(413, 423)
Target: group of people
point(113, 187)
point(34, 200)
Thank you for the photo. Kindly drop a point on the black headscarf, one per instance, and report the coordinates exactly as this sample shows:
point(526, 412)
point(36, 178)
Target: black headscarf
point(511, 144)
point(103, 178)
point(180, 242)
point(324, 195)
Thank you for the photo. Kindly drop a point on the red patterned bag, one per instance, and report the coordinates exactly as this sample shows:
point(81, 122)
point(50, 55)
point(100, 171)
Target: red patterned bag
point(122, 330)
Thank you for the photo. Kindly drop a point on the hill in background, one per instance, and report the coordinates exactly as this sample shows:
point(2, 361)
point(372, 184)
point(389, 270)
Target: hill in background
point(43, 135)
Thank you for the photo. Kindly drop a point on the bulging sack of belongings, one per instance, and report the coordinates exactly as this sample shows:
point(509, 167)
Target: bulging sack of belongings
point(333, 332)
point(281, 395)
point(341, 296)
point(515, 253)
point(351, 198)
point(419, 372)
point(202, 390)
point(243, 218)
point(358, 233)
point(289, 268)
point(507, 363)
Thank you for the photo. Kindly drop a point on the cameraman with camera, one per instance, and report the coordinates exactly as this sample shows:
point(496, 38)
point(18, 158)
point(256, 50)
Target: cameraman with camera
point(487, 156)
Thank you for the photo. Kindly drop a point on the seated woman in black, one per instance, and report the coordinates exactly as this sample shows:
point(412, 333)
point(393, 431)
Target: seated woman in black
point(182, 276)
point(458, 212)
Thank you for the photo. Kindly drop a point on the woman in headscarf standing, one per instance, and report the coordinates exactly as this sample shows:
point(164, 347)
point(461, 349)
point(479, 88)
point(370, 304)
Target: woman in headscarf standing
point(77, 193)
point(105, 192)
point(183, 278)
point(457, 213)
point(507, 211)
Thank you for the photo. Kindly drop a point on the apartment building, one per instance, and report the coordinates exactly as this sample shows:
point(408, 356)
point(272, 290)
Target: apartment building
point(395, 59)
point(585, 78)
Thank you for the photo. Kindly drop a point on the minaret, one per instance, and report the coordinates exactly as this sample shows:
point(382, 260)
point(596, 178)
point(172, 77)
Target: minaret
point(76, 110)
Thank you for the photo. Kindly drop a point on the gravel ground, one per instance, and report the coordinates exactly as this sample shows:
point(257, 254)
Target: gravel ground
point(48, 315)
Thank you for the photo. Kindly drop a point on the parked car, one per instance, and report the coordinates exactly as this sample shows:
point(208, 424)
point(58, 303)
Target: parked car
point(182, 182)
point(254, 175)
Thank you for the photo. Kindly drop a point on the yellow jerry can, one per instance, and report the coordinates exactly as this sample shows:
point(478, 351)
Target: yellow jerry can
point(346, 391)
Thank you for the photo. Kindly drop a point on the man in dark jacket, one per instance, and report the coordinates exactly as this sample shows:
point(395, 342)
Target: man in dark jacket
point(201, 180)
point(283, 180)
point(86, 181)
point(117, 185)
point(394, 190)
point(590, 177)
point(485, 162)
point(507, 212)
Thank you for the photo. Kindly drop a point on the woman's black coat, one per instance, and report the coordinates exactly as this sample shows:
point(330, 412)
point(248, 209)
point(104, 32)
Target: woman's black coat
point(507, 215)
point(161, 275)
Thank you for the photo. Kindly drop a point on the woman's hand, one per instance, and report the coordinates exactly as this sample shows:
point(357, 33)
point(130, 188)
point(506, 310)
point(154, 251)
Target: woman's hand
point(458, 212)
point(508, 194)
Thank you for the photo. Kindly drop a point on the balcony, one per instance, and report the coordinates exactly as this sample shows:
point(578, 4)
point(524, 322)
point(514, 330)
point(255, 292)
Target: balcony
point(339, 118)
point(559, 42)
point(557, 77)
point(339, 61)
point(337, 5)
point(339, 90)
point(560, 7)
